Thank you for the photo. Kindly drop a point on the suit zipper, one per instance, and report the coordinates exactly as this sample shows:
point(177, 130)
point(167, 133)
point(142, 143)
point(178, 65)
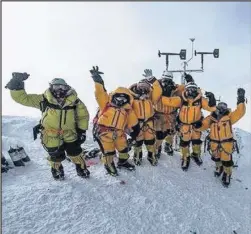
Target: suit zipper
point(65, 113)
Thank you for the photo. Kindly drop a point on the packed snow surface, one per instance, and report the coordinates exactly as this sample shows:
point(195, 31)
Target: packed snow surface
point(162, 199)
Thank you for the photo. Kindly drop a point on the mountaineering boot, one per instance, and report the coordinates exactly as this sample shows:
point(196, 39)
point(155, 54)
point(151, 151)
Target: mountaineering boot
point(111, 169)
point(158, 152)
point(226, 179)
point(185, 163)
point(81, 168)
point(197, 159)
point(168, 149)
point(218, 171)
point(137, 158)
point(152, 159)
point(123, 163)
point(82, 172)
point(58, 174)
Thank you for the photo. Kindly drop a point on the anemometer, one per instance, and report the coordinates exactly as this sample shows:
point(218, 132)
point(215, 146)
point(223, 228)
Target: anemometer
point(182, 56)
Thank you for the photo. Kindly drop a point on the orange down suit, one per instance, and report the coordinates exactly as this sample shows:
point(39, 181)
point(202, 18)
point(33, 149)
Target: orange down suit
point(144, 111)
point(221, 134)
point(190, 113)
point(165, 118)
point(113, 122)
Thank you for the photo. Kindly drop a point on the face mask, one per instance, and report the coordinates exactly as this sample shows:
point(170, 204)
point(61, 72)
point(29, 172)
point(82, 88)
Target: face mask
point(221, 108)
point(191, 92)
point(59, 91)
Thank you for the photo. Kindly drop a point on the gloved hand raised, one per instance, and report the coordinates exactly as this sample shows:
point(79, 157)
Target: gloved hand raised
point(188, 78)
point(17, 81)
point(149, 76)
point(81, 135)
point(197, 124)
point(211, 99)
point(95, 74)
point(240, 95)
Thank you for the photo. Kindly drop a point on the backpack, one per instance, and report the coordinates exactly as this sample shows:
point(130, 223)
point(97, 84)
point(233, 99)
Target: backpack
point(44, 104)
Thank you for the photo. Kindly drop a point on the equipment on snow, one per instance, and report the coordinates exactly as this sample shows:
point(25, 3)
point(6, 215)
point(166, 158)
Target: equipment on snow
point(23, 154)
point(4, 165)
point(16, 157)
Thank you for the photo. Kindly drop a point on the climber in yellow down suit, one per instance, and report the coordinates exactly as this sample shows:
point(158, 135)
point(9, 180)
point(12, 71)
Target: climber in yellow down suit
point(190, 116)
point(115, 118)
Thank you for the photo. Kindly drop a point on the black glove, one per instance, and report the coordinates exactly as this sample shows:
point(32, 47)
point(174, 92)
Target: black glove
point(135, 132)
point(167, 92)
point(211, 99)
point(20, 76)
point(178, 124)
point(240, 95)
point(96, 75)
point(197, 124)
point(81, 136)
point(188, 78)
point(17, 81)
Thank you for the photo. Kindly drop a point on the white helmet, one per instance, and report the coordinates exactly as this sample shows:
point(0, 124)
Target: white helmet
point(167, 74)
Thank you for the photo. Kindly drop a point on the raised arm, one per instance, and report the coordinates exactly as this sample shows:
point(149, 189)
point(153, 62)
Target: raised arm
point(101, 95)
point(210, 104)
point(18, 93)
point(241, 107)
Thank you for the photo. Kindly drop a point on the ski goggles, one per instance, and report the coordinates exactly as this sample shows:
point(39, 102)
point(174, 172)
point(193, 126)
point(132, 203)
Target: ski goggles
point(60, 86)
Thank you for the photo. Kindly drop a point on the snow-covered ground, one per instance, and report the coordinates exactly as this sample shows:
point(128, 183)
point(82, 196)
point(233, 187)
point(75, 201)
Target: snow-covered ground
point(156, 200)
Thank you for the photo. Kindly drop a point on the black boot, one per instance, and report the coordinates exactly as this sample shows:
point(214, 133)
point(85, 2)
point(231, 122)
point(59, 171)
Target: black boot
point(138, 158)
point(226, 179)
point(185, 164)
point(123, 163)
point(111, 169)
point(168, 149)
point(218, 171)
point(58, 174)
point(197, 159)
point(84, 173)
point(157, 155)
point(152, 159)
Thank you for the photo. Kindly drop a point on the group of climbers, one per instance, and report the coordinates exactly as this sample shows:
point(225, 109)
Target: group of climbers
point(150, 111)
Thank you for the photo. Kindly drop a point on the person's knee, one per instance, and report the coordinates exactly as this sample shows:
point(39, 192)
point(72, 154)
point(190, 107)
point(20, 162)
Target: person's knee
point(56, 154)
point(184, 143)
point(160, 135)
point(139, 143)
point(73, 148)
point(229, 163)
point(149, 142)
point(196, 141)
